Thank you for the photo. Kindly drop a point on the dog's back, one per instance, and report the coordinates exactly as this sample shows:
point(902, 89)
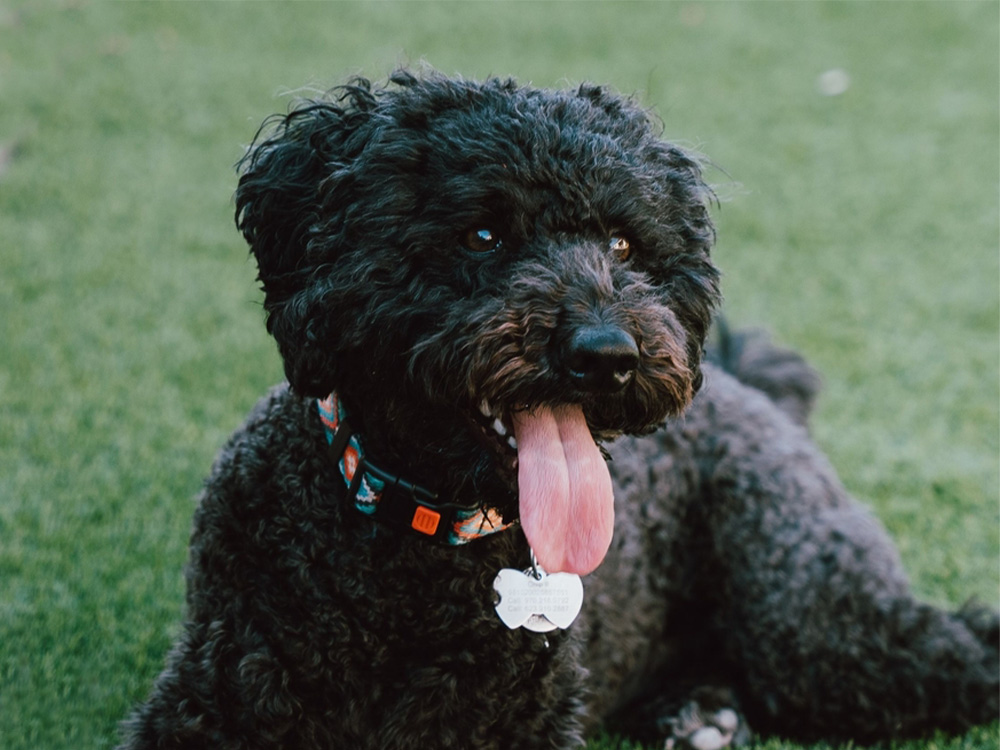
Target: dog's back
point(755, 360)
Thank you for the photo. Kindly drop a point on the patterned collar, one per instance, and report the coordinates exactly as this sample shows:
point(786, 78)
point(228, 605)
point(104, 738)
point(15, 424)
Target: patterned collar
point(394, 500)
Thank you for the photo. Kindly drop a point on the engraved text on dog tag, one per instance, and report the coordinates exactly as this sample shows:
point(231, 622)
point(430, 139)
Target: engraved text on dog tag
point(537, 601)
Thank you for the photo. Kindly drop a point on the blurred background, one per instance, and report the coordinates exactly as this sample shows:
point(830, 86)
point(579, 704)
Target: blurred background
point(857, 153)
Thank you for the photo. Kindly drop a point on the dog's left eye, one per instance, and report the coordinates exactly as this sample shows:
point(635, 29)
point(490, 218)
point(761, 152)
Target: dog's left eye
point(481, 241)
point(620, 247)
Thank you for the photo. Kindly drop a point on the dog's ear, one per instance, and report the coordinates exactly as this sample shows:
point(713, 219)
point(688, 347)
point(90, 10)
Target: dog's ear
point(292, 163)
point(286, 201)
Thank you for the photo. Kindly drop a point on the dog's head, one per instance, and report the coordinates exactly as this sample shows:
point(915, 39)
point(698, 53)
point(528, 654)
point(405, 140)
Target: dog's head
point(449, 255)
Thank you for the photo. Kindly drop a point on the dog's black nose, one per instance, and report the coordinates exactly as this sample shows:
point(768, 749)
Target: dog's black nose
point(601, 359)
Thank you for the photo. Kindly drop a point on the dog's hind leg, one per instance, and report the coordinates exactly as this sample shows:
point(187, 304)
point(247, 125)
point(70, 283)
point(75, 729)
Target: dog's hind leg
point(813, 604)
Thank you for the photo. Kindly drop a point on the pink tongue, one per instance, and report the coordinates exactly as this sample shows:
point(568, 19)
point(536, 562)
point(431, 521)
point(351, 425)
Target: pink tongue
point(566, 500)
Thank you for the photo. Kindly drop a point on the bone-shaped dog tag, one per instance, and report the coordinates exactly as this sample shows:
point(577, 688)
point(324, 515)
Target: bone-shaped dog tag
point(535, 600)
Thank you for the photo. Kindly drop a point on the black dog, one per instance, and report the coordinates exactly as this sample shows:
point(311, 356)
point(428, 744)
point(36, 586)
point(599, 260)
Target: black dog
point(475, 287)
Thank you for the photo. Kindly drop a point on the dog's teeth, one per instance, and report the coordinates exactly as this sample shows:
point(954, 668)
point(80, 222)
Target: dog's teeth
point(512, 442)
point(499, 428)
point(484, 409)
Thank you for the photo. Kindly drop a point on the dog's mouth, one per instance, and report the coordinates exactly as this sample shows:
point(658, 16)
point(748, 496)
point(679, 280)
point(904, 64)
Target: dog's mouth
point(565, 497)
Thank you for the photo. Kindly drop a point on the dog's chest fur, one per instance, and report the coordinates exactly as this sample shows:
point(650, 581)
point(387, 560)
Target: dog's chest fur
point(384, 628)
point(363, 621)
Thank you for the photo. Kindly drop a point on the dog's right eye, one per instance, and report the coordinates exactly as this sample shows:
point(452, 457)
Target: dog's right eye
point(620, 247)
point(481, 241)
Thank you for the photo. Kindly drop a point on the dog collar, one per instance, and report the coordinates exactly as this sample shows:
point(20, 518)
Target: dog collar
point(389, 498)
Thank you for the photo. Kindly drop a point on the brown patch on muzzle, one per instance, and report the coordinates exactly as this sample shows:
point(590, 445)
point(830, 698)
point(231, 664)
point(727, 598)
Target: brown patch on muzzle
point(518, 355)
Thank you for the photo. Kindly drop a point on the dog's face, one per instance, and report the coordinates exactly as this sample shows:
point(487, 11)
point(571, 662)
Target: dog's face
point(533, 260)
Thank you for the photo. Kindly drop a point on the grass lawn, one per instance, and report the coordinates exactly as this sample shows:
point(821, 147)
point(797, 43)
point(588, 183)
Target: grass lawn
point(862, 227)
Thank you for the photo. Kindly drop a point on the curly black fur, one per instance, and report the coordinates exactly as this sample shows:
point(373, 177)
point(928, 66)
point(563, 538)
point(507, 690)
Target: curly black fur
point(740, 567)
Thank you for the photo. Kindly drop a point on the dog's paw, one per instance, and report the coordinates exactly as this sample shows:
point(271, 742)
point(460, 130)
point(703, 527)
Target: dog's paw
point(695, 728)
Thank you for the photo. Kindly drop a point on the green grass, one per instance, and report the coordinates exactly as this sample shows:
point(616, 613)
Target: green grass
point(862, 228)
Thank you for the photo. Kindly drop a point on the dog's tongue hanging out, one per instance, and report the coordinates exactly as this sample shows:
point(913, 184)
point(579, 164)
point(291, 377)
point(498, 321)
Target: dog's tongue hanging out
point(566, 498)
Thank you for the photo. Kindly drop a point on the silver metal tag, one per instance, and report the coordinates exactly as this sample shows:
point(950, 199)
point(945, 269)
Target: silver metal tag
point(534, 600)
